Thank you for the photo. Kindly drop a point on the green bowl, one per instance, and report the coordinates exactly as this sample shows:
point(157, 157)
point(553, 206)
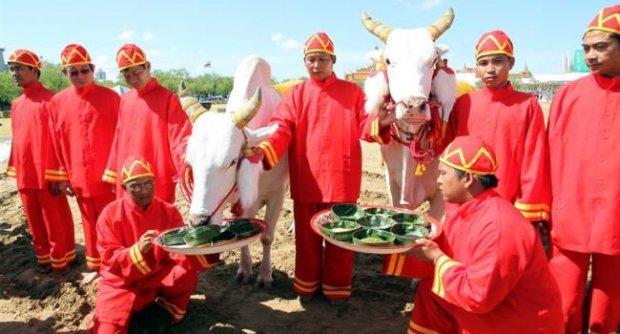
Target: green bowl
point(373, 237)
point(409, 218)
point(376, 222)
point(346, 211)
point(201, 235)
point(174, 237)
point(243, 228)
point(225, 235)
point(407, 234)
point(379, 212)
point(341, 230)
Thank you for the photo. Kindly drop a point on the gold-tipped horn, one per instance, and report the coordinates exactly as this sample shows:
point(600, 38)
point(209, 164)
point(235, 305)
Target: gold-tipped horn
point(376, 28)
point(183, 91)
point(247, 111)
point(190, 104)
point(442, 24)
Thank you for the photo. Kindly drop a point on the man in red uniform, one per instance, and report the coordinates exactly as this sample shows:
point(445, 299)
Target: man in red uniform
point(487, 272)
point(135, 272)
point(584, 132)
point(47, 210)
point(320, 123)
point(512, 123)
point(151, 123)
point(83, 119)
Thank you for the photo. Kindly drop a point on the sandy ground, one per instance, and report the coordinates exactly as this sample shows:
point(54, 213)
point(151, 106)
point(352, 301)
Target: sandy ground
point(59, 302)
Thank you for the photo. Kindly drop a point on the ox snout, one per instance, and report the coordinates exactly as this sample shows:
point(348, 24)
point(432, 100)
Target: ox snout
point(415, 110)
point(198, 220)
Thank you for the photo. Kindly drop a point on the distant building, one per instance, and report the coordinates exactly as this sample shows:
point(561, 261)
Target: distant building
point(100, 74)
point(360, 75)
point(3, 67)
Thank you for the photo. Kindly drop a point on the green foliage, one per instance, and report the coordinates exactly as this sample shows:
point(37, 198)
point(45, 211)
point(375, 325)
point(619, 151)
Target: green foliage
point(52, 77)
point(8, 90)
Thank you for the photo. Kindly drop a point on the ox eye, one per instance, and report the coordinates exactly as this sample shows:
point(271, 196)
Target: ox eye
point(387, 61)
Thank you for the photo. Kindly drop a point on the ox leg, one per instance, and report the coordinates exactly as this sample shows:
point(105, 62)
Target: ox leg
point(272, 214)
point(245, 266)
point(393, 161)
point(244, 272)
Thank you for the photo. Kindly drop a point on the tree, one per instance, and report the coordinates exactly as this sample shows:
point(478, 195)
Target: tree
point(8, 90)
point(52, 77)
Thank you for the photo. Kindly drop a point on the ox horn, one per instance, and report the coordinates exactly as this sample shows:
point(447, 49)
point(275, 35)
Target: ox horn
point(376, 28)
point(247, 111)
point(442, 24)
point(190, 104)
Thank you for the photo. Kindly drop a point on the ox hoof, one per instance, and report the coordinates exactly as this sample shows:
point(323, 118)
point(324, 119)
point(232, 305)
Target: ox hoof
point(241, 278)
point(263, 284)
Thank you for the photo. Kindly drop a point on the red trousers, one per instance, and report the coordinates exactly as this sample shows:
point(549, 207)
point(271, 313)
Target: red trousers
point(430, 314)
point(91, 208)
point(51, 226)
point(171, 288)
point(571, 271)
point(329, 268)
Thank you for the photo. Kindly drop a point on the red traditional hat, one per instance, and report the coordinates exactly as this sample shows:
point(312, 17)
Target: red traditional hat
point(494, 42)
point(608, 19)
point(319, 42)
point(471, 155)
point(74, 54)
point(26, 57)
point(135, 167)
point(129, 55)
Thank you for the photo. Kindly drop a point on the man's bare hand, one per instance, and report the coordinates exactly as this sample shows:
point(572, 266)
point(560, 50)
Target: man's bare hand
point(66, 189)
point(145, 243)
point(54, 188)
point(426, 250)
point(385, 115)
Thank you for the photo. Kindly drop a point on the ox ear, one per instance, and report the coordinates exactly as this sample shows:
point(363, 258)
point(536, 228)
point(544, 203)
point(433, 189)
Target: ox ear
point(376, 89)
point(260, 134)
point(444, 90)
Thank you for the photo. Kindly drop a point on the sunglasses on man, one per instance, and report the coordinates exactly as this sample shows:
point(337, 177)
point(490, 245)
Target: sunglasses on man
point(84, 71)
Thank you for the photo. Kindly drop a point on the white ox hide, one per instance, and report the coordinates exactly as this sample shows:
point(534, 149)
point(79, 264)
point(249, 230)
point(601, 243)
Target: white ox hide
point(410, 58)
point(215, 152)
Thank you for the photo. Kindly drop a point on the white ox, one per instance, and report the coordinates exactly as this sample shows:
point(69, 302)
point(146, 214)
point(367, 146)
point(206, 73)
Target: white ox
point(218, 152)
point(410, 58)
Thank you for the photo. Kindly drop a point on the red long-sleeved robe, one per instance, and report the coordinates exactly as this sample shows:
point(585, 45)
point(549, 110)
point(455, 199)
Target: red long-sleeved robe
point(49, 217)
point(132, 280)
point(584, 132)
point(320, 125)
point(512, 123)
point(493, 278)
point(83, 121)
point(151, 124)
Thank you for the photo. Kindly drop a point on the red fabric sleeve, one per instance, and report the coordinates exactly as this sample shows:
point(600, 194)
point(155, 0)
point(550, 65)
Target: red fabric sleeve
point(485, 281)
point(277, 144)
point(121, 261)
point(534, 197)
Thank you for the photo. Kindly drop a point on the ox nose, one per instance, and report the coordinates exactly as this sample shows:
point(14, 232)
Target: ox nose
point(415, 103)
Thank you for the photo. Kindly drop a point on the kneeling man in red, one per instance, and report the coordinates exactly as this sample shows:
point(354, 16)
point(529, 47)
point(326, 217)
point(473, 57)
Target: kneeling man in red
point(136, 272)
point(487, 272)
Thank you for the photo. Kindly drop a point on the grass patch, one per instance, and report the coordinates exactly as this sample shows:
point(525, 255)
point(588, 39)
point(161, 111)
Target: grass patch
point(5, 127)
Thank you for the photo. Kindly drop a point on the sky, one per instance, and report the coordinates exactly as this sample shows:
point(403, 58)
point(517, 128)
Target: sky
point(188, 34)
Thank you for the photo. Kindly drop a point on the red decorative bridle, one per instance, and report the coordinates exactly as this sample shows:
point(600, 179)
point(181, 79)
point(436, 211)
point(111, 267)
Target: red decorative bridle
point(424, 145)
